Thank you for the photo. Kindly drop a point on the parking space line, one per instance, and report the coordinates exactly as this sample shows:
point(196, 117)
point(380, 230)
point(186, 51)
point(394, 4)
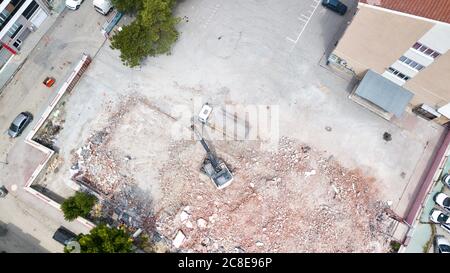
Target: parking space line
point(305, 19)
point(289, 39)
point(304, 16)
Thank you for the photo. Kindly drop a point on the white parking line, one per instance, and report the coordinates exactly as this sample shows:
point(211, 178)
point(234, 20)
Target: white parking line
point(289, 39)
point(304, 18)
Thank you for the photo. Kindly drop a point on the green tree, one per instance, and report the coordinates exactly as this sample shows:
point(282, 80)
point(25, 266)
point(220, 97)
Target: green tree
point(157, 16)
point(133, 42)
point(152, 33)
point(78, 205)
point(127, 6)
point(103, 239)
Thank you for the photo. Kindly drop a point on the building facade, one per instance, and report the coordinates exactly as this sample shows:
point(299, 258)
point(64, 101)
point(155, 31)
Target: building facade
point(18, 18)
point(406, 42)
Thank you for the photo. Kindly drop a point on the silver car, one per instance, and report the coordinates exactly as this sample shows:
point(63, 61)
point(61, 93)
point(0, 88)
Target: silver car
point(19, 124)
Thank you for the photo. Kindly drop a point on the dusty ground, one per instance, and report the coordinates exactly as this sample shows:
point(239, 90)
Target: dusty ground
point(290, 200)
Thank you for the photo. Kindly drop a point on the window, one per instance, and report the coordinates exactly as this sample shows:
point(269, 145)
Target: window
point(411, 63)
point(398, 74)
point(426, 50)
point(29, 11)
point(15, 28)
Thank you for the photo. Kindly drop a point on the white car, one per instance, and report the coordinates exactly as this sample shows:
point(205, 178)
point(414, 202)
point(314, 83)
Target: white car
point(204, 113)
point(73, 4)
point(442, 200)
point(438, 217)
point(103, 6)
point(441, 244)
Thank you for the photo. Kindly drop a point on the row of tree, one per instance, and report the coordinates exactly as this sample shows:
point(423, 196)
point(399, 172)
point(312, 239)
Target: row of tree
point(152, 32)
point(101, 239)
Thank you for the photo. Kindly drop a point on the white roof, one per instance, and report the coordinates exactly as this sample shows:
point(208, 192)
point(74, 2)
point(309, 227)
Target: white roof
point(445, 110)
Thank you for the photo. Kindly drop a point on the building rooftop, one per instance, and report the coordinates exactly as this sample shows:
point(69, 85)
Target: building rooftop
point(438, 10)
point(384, 93)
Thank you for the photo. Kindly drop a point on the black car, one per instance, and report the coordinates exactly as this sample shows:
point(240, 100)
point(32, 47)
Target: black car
point(335, 5)
point(441, 244)
point(64, 236)
point(446, 179)
point(3, 191)
point(19, 124)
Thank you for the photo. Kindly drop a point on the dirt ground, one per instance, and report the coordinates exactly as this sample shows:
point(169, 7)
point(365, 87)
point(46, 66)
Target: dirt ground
point(290, 200)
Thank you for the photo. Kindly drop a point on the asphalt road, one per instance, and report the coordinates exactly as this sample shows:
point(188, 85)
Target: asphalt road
point(23, 217)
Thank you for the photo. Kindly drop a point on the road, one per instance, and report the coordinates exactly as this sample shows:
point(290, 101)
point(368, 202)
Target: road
point(24, 216)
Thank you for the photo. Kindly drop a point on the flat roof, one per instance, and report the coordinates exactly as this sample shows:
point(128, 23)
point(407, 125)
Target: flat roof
point(438, 10)
point(384, 93)
point(445, 110)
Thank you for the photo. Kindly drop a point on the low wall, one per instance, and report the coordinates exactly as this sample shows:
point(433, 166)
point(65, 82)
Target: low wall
point(68, 85)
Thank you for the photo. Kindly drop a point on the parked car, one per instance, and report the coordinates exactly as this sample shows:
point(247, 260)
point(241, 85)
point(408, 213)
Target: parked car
point(335, 5)
point(3, 191)
point(441, 244)
point(64, 236)
point(438, 217)
point(73, 4)
point(445, 227)
point(103, 6)
point(442, 200)
point(446, 179)
point(19, 124)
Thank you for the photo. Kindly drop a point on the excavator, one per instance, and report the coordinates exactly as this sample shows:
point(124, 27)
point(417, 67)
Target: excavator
point(214, 168)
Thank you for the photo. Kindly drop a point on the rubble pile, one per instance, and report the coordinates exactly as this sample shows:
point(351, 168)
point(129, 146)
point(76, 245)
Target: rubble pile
point(291, 200)
point(48, 133)
point(294, 199)
point(105, 170)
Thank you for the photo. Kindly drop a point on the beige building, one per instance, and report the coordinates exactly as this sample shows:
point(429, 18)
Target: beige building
point(406, 42)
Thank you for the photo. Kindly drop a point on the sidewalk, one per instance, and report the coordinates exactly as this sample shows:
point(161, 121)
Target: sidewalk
point(56, 54)
point(17, 61)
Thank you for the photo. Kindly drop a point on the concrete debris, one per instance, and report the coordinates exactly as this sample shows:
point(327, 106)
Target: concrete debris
point(307, 174)
point(49, 131)
point(179, 239)
point(275, 213)
point(184, 216)
point(202, 223)
point(104, 170)
point(189, 224)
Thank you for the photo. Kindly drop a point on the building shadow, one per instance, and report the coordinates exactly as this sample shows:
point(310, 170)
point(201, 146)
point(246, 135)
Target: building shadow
point(15, 240)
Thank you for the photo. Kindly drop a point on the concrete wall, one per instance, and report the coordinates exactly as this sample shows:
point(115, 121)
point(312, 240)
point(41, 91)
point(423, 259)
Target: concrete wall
point(432, 85)
point(377, 38)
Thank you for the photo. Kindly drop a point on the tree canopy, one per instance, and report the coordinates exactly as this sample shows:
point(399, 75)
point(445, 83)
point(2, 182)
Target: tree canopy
point(78, 205)
point(103, 239)
point(127, 6)
point(152, 32)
